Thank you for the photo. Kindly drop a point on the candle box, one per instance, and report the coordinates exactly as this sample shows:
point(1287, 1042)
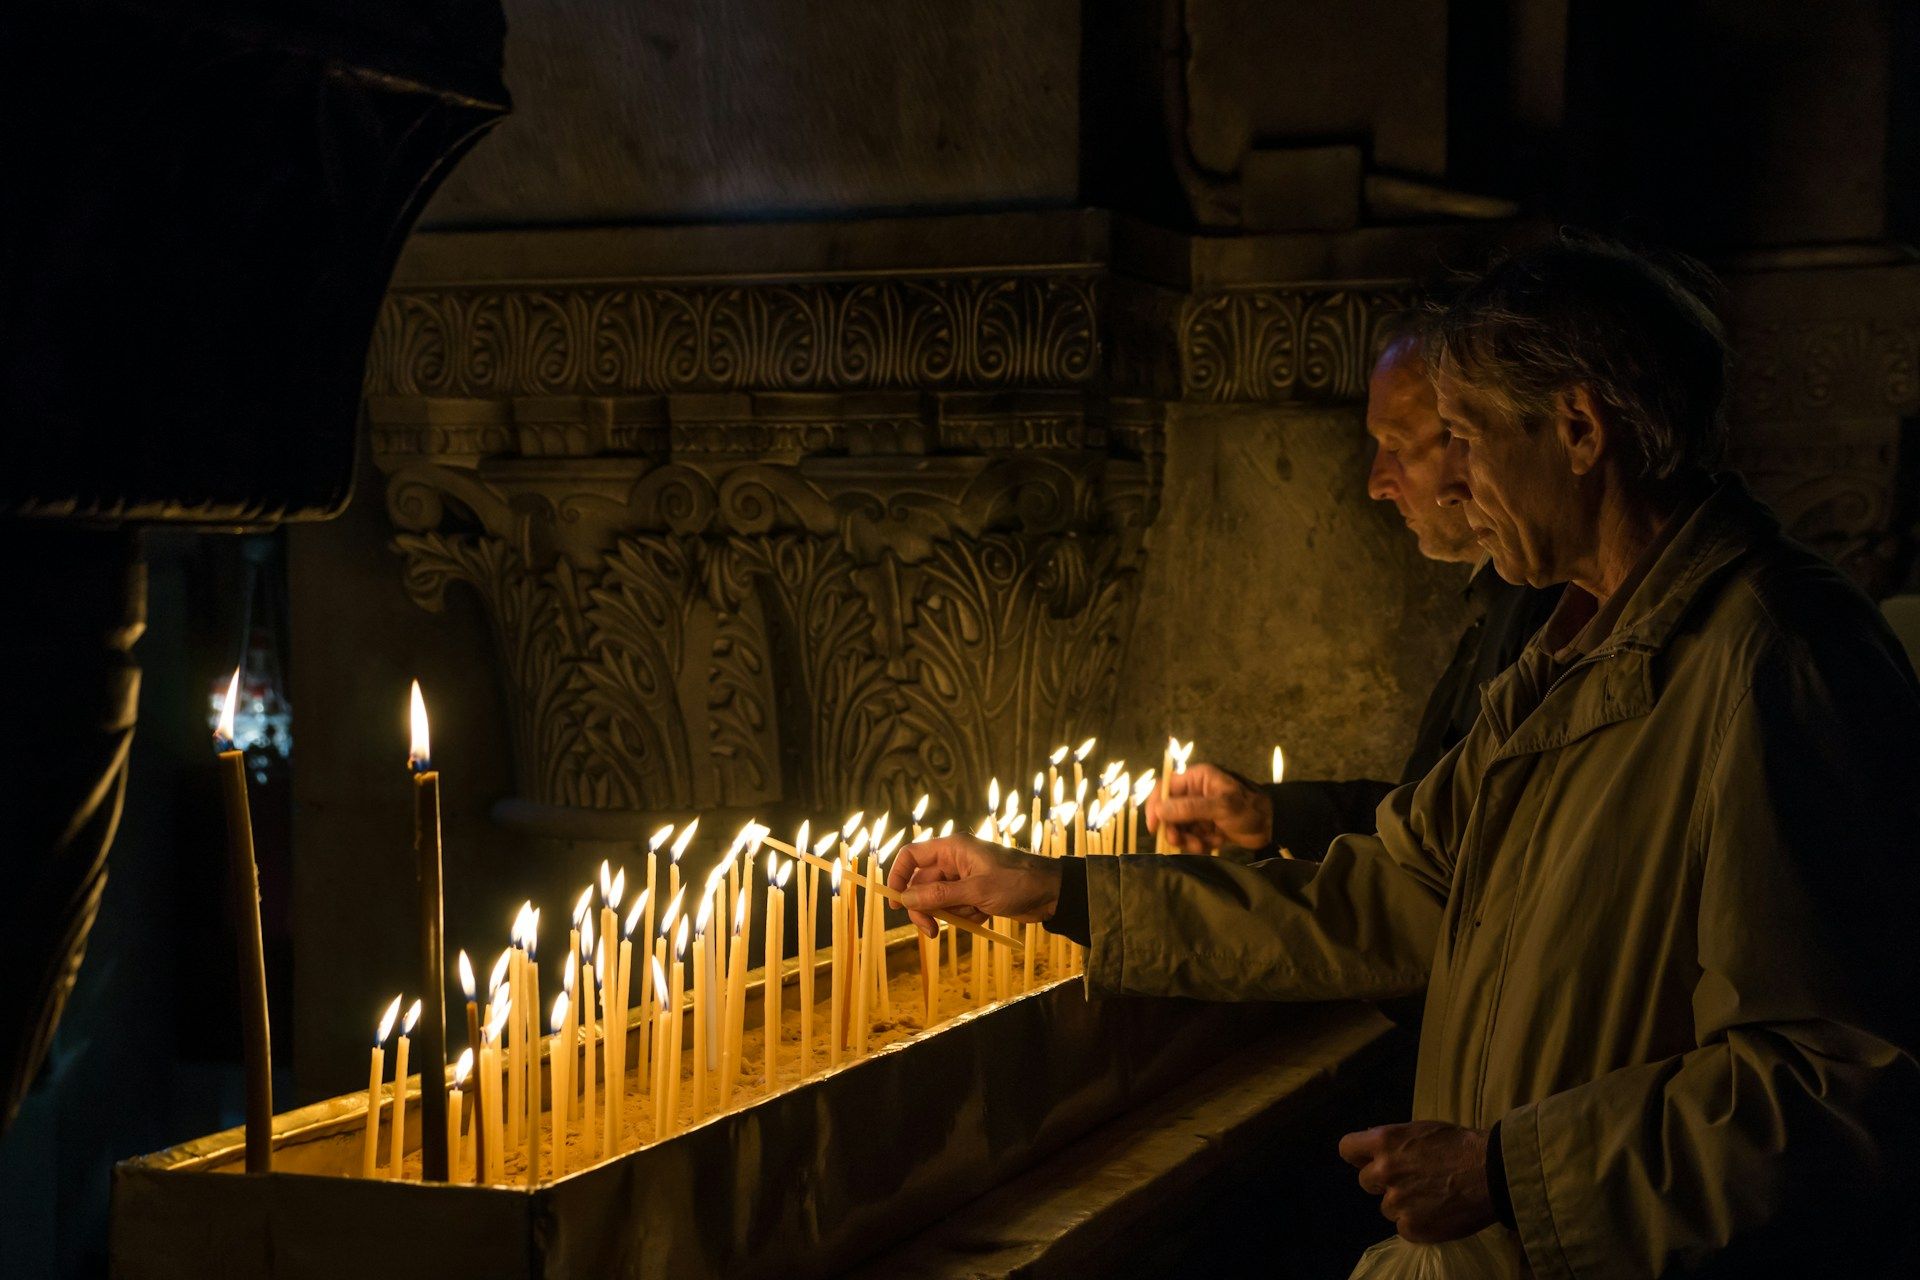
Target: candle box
point(805, 1183)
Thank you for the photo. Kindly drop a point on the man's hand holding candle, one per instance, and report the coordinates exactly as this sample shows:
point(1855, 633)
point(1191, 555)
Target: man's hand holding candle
point(1205, 807)
point(971, 878)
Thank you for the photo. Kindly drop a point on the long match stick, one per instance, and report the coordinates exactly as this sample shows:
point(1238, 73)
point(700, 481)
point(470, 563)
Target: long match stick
point(958, 922)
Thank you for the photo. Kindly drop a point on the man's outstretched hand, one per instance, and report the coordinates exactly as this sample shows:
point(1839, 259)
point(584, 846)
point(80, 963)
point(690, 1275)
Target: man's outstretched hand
point(1431, 1177)
point(1207, 807)
point(971, 878)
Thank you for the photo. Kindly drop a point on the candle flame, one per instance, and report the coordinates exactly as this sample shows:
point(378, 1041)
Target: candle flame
point(1060, 754)
point(852, 824)
point(533, 933)
point(419, 754)
point(523, 925)
point(786, 869)
point(800, 837)
point(673, 911)
point(223, 733)
point(606, 879)
point(619, 889)
point(1039, 782)
point(586, 934)
point(859, 844)
point(561, 1003)
point(993, 795)
point(466, 974)
point(1111, 770)
point(836, 878)
point(920, 807)
point(887, 850)
point(660, 982)
point(1011, 826)
point(1143, 788)
point(1059, 791)
point(1279, 765)
point(824, 843)
point(880, 826)
point(985, 830)
point(499, 974)
point(705, 916)
point(1080, 792)
point(582, 905)
point(1181, 754)
point(387, 1020)
point(659, 838)
point(740, 910)
point(685, 838)
point(946, 828)
point(502, 1010)
point(413, 1016)
point(633, 916)
point(463, 1068)
point(1084, 750)
point(680, 938)
point(756, 833)
point(566, 976)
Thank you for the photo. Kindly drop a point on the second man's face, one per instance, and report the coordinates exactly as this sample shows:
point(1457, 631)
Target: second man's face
point(1410, 453)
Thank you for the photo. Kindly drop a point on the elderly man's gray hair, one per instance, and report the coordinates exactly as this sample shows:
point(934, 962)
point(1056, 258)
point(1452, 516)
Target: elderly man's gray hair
point(1582, 311)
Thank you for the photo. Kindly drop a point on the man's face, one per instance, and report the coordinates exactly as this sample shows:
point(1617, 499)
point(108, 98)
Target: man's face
point(1515, 487)
point(1410, 454)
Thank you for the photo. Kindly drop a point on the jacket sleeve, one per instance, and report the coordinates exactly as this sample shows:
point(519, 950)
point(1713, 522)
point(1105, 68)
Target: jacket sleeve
point(1772, 1141)
point(1308, 815)
point(1362, 922)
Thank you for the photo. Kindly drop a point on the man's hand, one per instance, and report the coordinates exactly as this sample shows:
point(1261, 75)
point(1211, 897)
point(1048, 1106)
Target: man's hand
point(1431, 1177)
point(971, 878)
point(1207, 807)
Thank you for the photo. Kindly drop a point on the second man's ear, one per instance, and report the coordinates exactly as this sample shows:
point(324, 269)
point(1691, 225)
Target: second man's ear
point(1584, 429)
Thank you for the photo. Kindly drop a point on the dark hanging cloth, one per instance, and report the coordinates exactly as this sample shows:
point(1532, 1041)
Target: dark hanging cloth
point(1307, 815)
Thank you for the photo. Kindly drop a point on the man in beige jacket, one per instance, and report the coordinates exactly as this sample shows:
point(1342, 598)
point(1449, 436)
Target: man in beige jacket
point(1658, 898)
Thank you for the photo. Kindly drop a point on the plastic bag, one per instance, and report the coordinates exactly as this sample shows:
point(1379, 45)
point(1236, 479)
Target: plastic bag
point(1493, 1254)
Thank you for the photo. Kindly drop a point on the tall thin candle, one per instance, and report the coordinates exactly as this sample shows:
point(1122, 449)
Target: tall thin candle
point(397, 1116)
point(433, 980)
point(243, 903)
point(370, 1149)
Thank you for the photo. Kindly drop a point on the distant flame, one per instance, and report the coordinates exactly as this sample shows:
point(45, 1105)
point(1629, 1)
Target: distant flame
point(887, 849)
point(660, 981)
point(1084, 750)
point(1143, 788)
point(499, 974)
point(993, 795)
point(852, 824)
point(561, 1003)
point(680, 938)
point(659, 838)
point(1059, 755)
point(800, 837)
point(859, 844)
point(420, 754)
point(1039, 782)
point(463, 1068)
point(673, 911)
point(705, 916)
point(618, 890)
point(633, 916)
point(836, 878)
point(740, 910)
point(786, 869)
point(413, 1016)
point(466, 975)
point(920, 807)
point(387, 1020)
point(824, 844)
point(1279, 765)
point(946, 828)
point(223, 734)
point(685, 838)
point(583, 904)
point(606, 879)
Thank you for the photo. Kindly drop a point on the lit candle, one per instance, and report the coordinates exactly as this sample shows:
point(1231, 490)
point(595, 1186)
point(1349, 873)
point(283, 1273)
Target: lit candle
point(805, 921)
point(491, 1100)
point(562, 1076)
point(702, 1001)
point(625, 1006)
point(433, 959)
point(877, 933)
point(515, 1041)
point(473, 1044)
point(837, 965)
point(243, 902)
point(680, 843)
point(662, 1057)
point(854, 1030)
point(772, 955)
point(676, 1033)
point(370, 1150)
point(1142, 790)
point(735, 1026)
point(397, 1116)
point(589, 1112)
point(456, 1100)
